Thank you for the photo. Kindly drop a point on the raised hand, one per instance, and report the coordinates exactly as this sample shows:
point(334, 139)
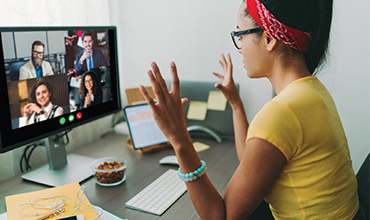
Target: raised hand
point(227, 85)
point(168, 112)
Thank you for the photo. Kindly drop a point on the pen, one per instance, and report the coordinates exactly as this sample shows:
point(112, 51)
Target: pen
point(50, 214)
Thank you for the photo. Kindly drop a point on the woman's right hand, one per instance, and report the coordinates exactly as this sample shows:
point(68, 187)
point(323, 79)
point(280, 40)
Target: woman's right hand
point(227, 85)
point(30, 109)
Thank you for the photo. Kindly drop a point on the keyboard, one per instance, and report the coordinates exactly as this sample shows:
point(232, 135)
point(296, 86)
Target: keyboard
point(159, 195)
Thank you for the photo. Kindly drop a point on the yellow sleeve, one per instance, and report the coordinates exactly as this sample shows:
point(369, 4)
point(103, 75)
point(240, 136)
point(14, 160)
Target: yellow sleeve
point(277, 124)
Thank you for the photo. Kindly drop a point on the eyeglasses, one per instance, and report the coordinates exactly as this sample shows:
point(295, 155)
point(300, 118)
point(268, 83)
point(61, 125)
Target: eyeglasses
point(37, 53)
point(235, 36)
point(88, 81)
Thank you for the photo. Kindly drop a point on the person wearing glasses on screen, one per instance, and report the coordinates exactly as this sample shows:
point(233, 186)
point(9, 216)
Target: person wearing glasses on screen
point(90, 90)
point(37, 66)
point(294, 154)
point(41, 106)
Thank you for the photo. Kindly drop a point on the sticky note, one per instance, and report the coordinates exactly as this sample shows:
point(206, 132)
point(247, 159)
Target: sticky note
point(197, 110)
point(216, 101)
point(200, 146)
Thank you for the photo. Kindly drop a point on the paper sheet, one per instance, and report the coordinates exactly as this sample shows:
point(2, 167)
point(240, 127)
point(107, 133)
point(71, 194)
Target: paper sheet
point(200, 146)
point(197, 110)
point(216, 101)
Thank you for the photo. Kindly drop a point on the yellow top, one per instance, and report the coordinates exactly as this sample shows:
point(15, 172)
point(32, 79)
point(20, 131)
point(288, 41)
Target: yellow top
point(318, 181)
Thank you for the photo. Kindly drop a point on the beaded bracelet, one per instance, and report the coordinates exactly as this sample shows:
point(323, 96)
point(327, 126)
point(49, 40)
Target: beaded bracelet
point(187, 177)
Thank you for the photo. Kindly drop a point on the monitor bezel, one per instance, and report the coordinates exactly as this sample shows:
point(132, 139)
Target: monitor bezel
point(11, 139)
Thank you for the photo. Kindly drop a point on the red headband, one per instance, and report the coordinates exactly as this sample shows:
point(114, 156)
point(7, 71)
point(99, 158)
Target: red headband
point(297, 39)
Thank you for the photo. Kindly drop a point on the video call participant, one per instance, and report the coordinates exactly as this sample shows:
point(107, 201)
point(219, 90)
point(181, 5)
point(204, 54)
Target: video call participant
point(294, 154)
point(90, 90)
point(36, 67)
point(41, 106)
point(90, 57)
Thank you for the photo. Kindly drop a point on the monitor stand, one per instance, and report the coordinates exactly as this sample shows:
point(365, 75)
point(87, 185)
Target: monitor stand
point(61, 169)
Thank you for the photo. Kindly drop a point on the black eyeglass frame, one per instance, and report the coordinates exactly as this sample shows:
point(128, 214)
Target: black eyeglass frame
point(238, 33)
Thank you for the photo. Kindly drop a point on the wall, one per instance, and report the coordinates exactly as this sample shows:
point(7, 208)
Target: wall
point(194, 33)
point(347, 74)
point(53, 13)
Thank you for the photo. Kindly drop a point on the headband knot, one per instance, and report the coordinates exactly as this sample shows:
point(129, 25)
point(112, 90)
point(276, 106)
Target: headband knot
point(299, 40)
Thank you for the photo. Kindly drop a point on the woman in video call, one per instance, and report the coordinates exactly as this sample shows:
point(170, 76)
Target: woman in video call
point(90, 90)
point(294, 154)
point(41, 106)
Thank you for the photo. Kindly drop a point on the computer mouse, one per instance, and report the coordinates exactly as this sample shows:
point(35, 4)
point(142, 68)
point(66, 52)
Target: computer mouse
point(169, 160)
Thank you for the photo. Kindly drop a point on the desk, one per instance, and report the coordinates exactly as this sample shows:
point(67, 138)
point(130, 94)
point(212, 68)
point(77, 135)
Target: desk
point(221, 161)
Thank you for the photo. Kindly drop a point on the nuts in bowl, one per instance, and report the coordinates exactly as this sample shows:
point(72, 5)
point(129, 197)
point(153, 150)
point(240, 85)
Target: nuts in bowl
point(109, 171)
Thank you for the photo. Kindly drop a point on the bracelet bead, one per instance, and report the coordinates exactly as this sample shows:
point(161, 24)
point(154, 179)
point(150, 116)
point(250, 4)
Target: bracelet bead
point(193, 175)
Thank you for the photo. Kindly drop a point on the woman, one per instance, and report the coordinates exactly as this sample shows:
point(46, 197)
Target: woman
point(294, 154)
point(41, 106)
point(90, 90)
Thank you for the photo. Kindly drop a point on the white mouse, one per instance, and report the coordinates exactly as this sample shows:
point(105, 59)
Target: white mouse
point(169, 160)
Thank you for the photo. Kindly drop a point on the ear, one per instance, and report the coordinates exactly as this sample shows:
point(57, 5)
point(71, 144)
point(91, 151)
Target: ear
point(270, 42)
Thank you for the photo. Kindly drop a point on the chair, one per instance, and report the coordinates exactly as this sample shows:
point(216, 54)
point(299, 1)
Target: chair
point(363, 180)
point(14, 69)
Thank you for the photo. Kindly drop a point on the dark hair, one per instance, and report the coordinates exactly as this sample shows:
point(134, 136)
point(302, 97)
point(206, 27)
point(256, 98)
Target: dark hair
point(38, 84)
point(96, 84)
point(38, 43)
point(316, 55)
point(321, 12)
point(86, 33)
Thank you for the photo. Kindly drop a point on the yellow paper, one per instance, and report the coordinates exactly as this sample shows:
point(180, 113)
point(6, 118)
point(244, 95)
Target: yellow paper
point(197, 110)
point(69, 190)
point(216, 101)
point(200, 146)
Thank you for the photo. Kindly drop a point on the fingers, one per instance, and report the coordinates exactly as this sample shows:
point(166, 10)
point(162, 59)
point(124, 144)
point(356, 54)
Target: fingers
point(183, 102)
point(147, 97)
point(230, 64)
point(223, 62)
point(158, 83)
point(175, 86)
point(158, 76)
point(221, 77)
point(156, 88)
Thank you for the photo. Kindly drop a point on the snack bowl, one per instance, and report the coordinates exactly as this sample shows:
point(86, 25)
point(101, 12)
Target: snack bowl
point(109, 171)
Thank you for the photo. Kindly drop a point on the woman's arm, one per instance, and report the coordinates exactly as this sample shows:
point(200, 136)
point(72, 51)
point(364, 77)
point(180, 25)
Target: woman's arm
point(253, 179)
point(230, 91)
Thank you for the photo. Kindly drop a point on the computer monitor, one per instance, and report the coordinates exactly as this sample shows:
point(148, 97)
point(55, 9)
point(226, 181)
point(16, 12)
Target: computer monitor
point(53, 79)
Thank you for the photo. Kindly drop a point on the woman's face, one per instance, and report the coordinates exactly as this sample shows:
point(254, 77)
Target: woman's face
point(88, 82)
point(251, 49)
point(42, 96)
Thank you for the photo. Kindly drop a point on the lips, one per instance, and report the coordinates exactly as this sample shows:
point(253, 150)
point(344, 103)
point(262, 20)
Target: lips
point(42, 100)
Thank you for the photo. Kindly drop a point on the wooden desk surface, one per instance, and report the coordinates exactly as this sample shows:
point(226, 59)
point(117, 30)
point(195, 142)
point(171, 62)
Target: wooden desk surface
point(142, 169)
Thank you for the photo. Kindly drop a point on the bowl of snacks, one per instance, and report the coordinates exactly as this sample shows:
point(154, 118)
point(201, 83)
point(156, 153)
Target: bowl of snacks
point(109, 171)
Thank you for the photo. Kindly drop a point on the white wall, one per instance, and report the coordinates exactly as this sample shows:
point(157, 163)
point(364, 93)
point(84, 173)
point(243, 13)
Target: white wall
point(194, 33)
point(347, 76)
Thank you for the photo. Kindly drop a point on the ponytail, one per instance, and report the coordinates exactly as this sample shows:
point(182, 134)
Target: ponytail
point(316, 54)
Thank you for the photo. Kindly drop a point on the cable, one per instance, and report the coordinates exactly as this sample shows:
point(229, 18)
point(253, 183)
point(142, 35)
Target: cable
point(26, 156)
point(57, 205)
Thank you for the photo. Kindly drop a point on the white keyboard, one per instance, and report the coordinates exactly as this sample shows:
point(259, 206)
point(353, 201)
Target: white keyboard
point(159, 195)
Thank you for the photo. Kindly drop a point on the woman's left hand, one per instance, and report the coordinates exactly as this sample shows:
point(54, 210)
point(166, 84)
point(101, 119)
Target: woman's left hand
point(168, 111)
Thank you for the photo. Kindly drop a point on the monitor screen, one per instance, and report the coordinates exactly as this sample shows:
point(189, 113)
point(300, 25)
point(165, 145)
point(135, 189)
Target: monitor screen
point(53, 79)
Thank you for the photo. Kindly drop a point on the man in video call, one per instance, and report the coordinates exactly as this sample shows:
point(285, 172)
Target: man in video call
point(36, 67)
point(89, 58)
